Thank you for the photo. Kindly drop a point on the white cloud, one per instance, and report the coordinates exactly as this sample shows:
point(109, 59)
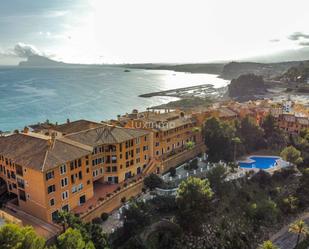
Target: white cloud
point(304, 43)
point(25, 50)
point(298, 35)
point(274, 40)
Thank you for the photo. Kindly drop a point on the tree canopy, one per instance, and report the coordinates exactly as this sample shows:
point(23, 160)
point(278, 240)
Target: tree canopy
point(14, 236)
point(193, 198)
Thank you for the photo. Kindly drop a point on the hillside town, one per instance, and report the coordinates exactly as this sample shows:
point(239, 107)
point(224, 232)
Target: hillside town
point(90, 168)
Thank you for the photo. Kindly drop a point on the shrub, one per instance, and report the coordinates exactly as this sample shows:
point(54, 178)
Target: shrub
point(194, 164)
point(172, 171)
point(153, 181)
point(123, 199)
point(97, 220)
point(104, 216)
point(191, 165)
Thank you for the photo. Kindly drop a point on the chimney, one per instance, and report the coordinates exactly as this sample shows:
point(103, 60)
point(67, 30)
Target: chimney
point(26, 130)
point(52, 139)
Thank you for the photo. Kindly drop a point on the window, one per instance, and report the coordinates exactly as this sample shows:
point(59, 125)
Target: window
point(55, 215)
point(22, 195)
point(66, 208)
point(80, 175)
point(145, 138)
point(51, 189)
point(71, 165)
point(74, 189)
point(52, 202)
point(80, 187)
point(145, 148)
point(137, 140)
point(50, 175)
point(145, 157)
point(64, 182)
point(95, 173)
point(20, 183)
point(82, 199)
point(157, 144)
point(63, 169)
point(73, 179)
point(114, 168)
point(19, 170)
point(65, 195)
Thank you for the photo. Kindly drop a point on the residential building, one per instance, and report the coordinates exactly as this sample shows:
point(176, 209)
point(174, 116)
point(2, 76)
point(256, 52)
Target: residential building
point(45, 174)
point(171, 132)
point(118, 153)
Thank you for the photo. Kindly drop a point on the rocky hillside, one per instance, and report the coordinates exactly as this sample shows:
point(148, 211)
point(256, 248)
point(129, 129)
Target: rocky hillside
point(246, 87)
point(297, 74)
point(233, 70)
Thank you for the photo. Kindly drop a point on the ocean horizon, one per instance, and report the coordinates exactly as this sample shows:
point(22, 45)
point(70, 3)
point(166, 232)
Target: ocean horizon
point(32, 95)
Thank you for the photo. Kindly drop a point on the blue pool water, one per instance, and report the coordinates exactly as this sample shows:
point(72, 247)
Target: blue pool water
point(259, 162)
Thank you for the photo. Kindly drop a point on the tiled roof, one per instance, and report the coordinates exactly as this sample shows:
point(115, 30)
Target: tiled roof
point(226, 112)
point(303, 121)
point(76, 126)
point(40, 153)
point(106, 134)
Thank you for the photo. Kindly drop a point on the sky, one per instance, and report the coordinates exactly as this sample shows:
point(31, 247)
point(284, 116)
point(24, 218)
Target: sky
point(140, 31)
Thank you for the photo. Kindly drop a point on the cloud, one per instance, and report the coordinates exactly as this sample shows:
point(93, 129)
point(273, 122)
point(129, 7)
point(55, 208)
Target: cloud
point(304, 43)
point(274, 40)
point(25, 50)
point(297, 36)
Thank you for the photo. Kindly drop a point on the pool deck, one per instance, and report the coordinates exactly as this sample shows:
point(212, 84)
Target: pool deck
point(280, 162)
point(249, 160)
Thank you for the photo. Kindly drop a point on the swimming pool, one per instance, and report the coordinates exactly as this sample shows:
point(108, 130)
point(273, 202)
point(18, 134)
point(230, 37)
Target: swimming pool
point(260, 162)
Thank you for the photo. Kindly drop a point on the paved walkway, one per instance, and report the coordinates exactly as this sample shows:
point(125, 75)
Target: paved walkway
point(42, 228)
point(115, 221)
point(286, 240)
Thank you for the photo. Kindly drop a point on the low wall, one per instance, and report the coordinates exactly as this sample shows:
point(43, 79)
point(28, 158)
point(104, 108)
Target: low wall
point(114, 201)
point(10, 218)
point(182, 157)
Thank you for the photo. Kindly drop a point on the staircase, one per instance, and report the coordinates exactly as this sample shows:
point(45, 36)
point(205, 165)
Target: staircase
point(152, 167)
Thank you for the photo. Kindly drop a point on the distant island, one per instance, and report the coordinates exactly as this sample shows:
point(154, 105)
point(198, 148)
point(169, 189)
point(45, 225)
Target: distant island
point(43, 61)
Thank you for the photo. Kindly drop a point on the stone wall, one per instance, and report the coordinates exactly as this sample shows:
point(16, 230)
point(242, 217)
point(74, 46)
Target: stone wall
point(114, 201)
point(10, 218)
point(182, 157)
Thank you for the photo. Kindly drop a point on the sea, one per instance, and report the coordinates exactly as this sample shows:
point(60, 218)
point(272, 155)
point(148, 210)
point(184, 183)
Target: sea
point(32, 95)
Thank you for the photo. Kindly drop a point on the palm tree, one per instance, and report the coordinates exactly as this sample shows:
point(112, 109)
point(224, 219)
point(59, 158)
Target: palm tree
point(190, 145)
point(235, 140)
point(299, 227)
point(268, 245)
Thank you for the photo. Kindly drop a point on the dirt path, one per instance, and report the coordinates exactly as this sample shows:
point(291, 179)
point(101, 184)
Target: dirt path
point(285, 240)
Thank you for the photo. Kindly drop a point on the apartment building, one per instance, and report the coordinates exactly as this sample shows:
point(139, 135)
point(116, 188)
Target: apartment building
point(45, 174)
point(171, 132)
point(118, 153)
point(55, 167)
